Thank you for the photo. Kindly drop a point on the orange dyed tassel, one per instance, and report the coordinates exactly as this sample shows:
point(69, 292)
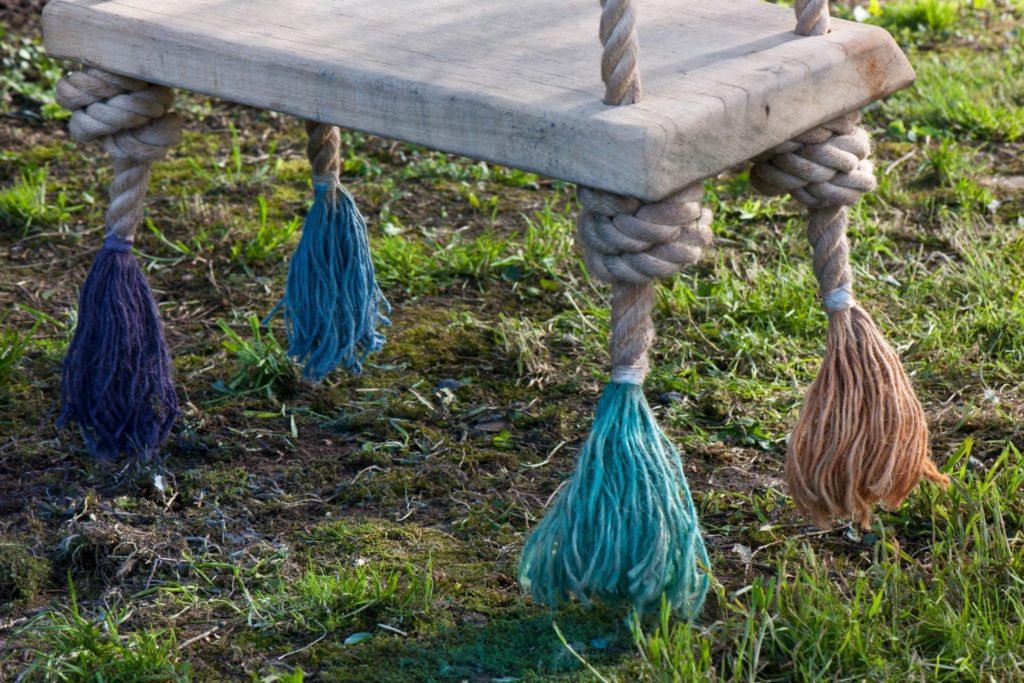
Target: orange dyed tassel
point(861, 436)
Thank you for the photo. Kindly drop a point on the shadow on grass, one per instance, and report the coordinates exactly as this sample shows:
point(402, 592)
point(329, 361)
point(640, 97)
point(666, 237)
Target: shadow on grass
point(525, 647)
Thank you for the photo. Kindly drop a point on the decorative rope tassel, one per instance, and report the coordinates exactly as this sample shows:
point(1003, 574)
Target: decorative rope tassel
point(116, 381)
point(625, 529)
point(332, 305)
point(861, 436)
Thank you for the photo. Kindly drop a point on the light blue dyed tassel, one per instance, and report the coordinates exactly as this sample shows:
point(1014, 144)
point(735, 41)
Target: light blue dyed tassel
point(624, 530)
point(332, 305)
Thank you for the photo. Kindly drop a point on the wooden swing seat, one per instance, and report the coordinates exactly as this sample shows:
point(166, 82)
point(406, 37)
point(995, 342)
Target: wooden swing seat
point(515, 83)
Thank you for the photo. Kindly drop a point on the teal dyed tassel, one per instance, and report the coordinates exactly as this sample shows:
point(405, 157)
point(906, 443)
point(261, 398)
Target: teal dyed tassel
point(625, 528)
point(332, 305)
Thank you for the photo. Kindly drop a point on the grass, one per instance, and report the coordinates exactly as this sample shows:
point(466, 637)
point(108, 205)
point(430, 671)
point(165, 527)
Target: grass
point(67, 645)
point(268, 241)
point(936, 17)
point(262, 365)
point(25, 203)
point(235, 170)
point(974, 95)
point(28, 78)
point(320, 601)
point(369, 528)
point(428, 266)
point(22, 574)
point(942, 614)
point(13, 343)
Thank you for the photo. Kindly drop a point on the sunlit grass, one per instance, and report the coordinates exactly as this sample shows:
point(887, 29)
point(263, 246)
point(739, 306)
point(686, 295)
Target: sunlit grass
point(950, 611)
point(69, 645)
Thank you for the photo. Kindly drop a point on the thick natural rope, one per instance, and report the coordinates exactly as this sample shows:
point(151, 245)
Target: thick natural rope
point(620, 69)
point(134, 122)
point(630, 244)
point(827, 169)
point(324, 152)
point(626, 242)
point(632, 332)
point(812, 17)
point(620, 62)
point(861, 435)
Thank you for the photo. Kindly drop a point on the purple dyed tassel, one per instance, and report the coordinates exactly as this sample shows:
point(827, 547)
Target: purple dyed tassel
point(116, 381)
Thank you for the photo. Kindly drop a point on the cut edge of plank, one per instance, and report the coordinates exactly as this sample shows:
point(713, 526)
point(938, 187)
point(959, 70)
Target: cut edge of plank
point(880, 65)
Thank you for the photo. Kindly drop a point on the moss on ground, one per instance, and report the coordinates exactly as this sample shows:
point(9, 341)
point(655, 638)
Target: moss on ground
point(22, 573)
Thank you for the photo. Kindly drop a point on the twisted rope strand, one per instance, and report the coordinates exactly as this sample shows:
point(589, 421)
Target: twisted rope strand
point(620, 63)
point(632, 332)
point(323, 149)
point(812, 17)
point(626, 242)
point(127, 197)
point(828, 172)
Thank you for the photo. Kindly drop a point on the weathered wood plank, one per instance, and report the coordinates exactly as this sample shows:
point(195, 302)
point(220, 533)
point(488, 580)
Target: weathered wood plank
point(517, 83)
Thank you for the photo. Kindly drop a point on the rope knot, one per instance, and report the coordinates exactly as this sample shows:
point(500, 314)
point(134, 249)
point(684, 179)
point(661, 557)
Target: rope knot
point(826, 166)
point(133, 121)
point(628, 242)
point(131, 118)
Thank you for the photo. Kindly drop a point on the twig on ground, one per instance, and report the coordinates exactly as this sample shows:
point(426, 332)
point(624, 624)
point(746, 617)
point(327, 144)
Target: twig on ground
point(304, 647)
point(202, 636)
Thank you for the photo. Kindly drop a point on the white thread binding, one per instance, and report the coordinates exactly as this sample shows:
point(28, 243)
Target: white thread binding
point(628, 375)
point(329, 181)
point(839, 299)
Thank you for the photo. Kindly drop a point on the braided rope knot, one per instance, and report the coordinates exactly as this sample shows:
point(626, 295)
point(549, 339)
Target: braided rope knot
point(628, 242)
point(132, 118)
point(133, 121)
point(826, 166)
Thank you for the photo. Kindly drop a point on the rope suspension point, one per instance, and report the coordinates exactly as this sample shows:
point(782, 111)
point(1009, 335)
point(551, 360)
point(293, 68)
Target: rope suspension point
point(812, 17)
point(116, 380)
point(625, 529)
point(861, 436)
point(620, 62)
